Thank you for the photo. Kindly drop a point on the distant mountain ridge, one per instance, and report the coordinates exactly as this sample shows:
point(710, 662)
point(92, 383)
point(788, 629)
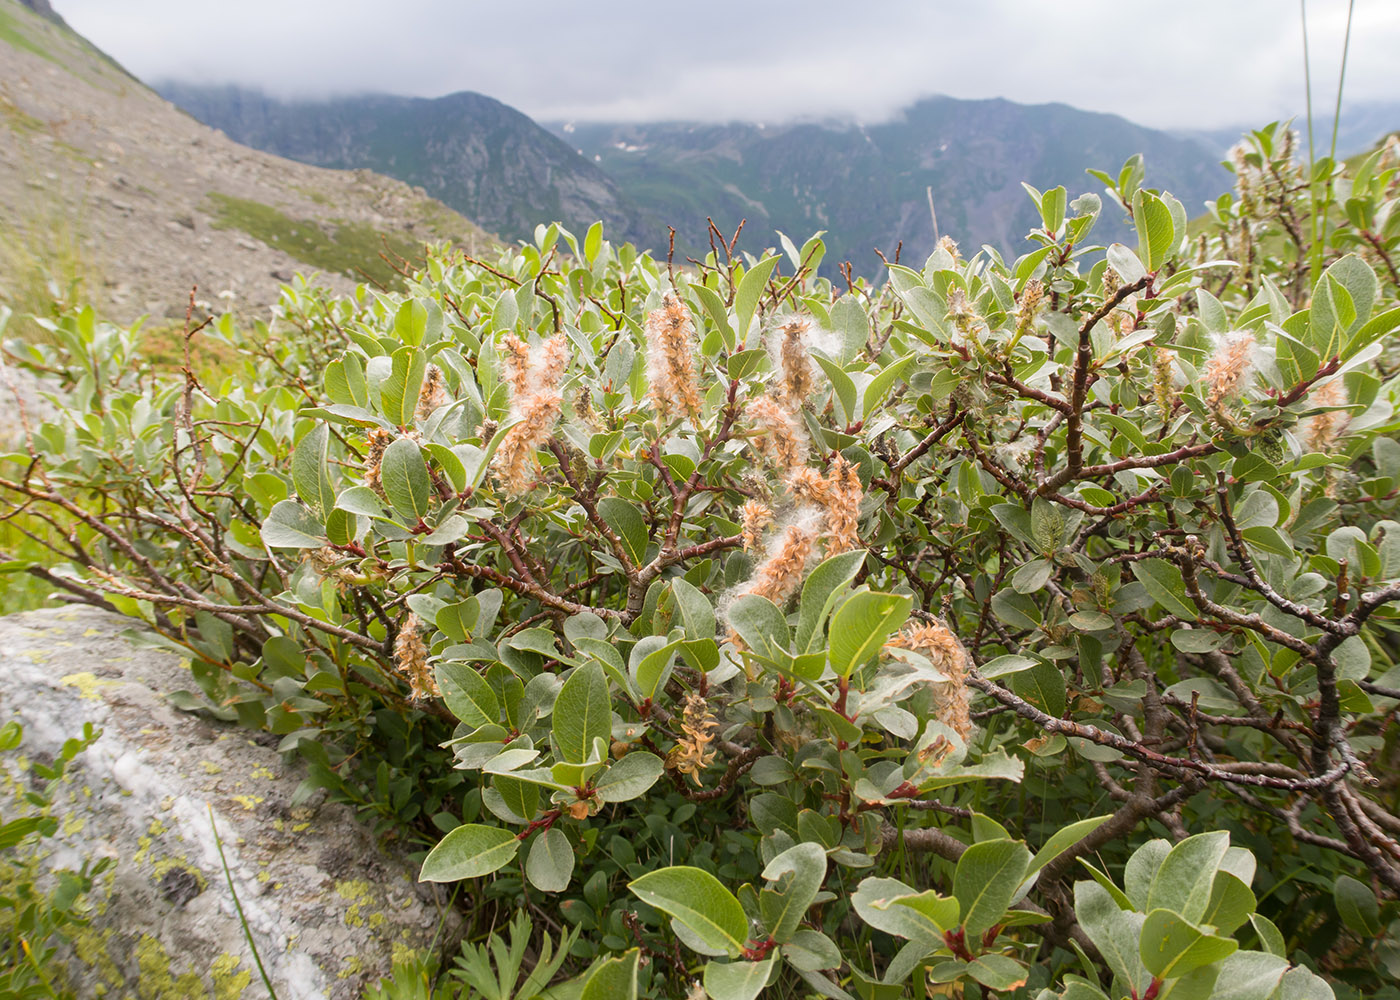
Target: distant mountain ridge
point(868, 186)
point(1363, 125)
point(473, 153)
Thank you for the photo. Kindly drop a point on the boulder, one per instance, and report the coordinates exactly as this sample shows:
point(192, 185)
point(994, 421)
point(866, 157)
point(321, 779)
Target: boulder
point(327, 909)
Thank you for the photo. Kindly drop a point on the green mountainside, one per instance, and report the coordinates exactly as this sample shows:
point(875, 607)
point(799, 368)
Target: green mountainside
point(486, 160)
point(868, 186)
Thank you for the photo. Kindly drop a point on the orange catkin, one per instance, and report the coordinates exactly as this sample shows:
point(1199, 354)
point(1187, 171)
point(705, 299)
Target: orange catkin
point(517, 364)
point(1228, 370)
point(379, 440)
point(670, 333)
point(779, 437)
point(1320, 431)
point(535, 403)
point(432, 394)
point(780, 575)
point(754, 516)
point(937, 642)
point(838, 494)
point(411, 659)
point(799, 374)
point(844, 495)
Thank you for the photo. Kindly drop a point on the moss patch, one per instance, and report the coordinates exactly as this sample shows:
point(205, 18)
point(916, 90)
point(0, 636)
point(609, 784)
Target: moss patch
point(13, 34)
point(347, 248)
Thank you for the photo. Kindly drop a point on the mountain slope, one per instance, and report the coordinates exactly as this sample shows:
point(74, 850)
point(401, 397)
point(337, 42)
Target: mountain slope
point(156, 202)
point(483, 158)
point(870, 186)
point(1363, 125)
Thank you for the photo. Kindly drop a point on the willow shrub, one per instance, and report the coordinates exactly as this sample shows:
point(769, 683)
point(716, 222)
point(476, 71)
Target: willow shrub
point(1027, 626)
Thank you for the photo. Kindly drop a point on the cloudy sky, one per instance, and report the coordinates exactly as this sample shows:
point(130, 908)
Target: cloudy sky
point(1167, 63)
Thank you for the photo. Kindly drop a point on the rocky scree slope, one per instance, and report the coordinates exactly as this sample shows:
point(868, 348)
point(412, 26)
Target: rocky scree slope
point(160, 202)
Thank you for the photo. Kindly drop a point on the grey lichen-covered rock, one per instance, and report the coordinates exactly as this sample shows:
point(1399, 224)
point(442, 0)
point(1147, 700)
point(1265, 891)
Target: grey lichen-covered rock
point(327, 909)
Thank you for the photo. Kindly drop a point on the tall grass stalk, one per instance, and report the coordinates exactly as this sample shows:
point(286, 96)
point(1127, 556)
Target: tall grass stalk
point(1319, 214)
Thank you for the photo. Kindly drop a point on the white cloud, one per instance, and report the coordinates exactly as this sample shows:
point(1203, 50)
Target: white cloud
point(1170, 63)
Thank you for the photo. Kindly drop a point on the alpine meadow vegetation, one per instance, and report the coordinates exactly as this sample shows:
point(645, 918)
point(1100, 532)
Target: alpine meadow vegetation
point(1013, 628)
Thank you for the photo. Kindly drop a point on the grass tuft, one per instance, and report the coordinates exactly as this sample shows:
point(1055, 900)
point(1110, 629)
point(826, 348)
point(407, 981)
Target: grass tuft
point(347, 248)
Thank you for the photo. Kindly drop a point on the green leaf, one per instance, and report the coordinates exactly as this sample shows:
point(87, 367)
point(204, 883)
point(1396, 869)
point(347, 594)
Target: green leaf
point(469, 851)
point(613, 979)
point(1052, 209)
point(1231, 903)
point(651, 661)
point(1063, 839)
point(1125, 263)
point(1170, 947)
point(1184, 882)
point(344, 381)
point(1303, 984)
point(787, 904)
point(1007, 664)
point(1141, 869)
point(582, 713)
point(822, 589)
point(998, 972)
point(360, 500)
point(627, 520)
point(630, 777)
point(695, 899)
point(1047, 525)
point(697, 614)
point(341, 526)
point(311, 472)
point(861, 625)
point(1358, 279)
point(398, 394)
point(1155, 229)
point(750, 291)
point(1163, 582)
point(760, 624)
point(452, 529)
point(550, 864)
point(1077, 989)
point(405, 479)
point(1044, 686)
point(996, 765)
point(938, 913)
point(1249, 975)
point(290, 526)
point(810, 950)
point(986, 879)
point(881, 384)
point(852, 322)
point(1357, 906)
point(592, 242)
point(1269, 935)
point(737, 980)
point(467, 694)
point(874, 901)
point(1114, 932)
point(842, 386)
point(411, 322)
point(1332, 313)
point(714, 307)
